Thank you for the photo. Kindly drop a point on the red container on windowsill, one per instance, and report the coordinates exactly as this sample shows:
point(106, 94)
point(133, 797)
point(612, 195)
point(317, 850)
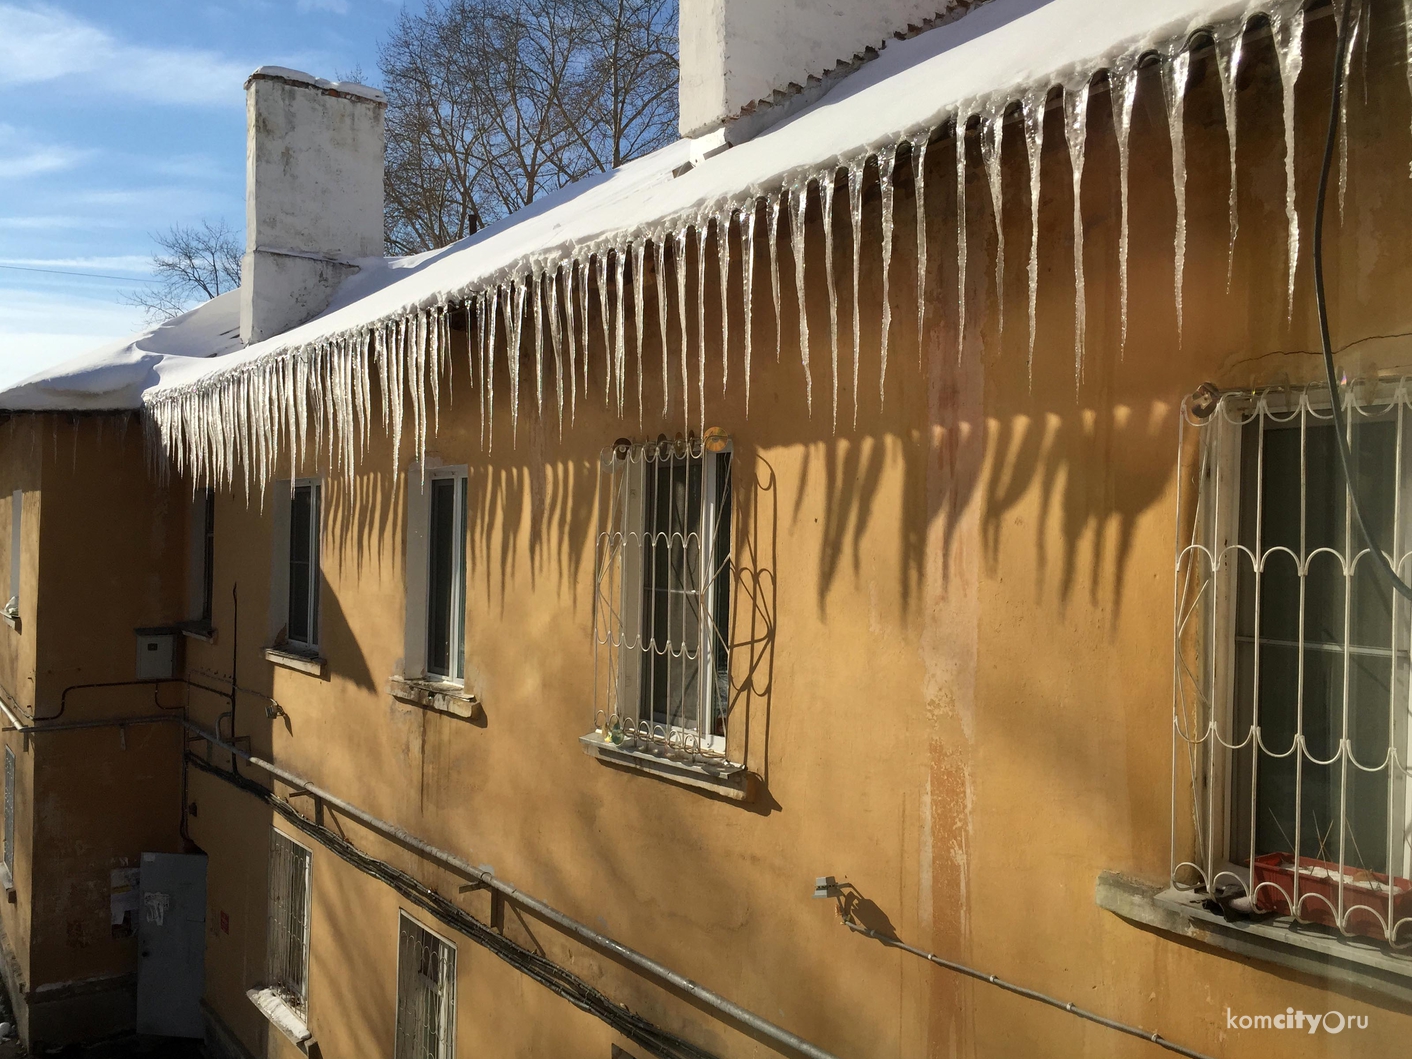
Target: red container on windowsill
point(1365, 894)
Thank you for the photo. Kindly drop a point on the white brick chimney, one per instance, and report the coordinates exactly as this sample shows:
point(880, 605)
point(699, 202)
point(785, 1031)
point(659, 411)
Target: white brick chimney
point(313, 194)
point(737, 52)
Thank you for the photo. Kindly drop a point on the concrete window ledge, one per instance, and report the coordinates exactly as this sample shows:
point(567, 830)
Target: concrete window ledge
point(1278, 940)
point(299, 661)
point(435, 695)
point(7, 882)
point(12, 620)
point(197, 630)
point(281, 1015)
point(725, 780)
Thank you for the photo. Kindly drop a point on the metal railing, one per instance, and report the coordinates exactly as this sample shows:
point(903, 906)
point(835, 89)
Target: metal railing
point(426, 993)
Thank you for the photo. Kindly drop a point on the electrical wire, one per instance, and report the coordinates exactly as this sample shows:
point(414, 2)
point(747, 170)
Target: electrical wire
point(64, 272)
point(1380, 560)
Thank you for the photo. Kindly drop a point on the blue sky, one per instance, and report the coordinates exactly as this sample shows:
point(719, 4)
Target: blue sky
point(120, 118)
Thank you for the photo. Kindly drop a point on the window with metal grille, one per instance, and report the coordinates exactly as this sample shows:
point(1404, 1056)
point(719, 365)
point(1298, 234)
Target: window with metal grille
point(289, 921)
point(663, 596)
point(1290, 727)
point(303, 625)
point(446, 576)
point(10, 811)
point(426, 993)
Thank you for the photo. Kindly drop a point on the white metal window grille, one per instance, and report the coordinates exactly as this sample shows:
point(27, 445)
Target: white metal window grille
point(663, 596)
point(303, 625)
point(289, 921)
point(1291, 741)
point(446, 577)
point(426, 993)
point(10, 811)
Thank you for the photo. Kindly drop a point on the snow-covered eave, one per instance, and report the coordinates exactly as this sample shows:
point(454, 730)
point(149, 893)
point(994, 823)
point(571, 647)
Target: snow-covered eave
point(1000, 54)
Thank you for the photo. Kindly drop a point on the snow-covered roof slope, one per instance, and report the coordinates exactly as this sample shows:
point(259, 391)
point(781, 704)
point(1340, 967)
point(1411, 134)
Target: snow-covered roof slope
point(1002, 48)
point(115, 376)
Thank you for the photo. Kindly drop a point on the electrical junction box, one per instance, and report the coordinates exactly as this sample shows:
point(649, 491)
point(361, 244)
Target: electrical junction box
point(158, 652)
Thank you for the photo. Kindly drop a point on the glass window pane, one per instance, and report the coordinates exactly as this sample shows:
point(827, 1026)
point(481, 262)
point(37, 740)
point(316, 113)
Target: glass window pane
point(442, 591)
point(301, 516)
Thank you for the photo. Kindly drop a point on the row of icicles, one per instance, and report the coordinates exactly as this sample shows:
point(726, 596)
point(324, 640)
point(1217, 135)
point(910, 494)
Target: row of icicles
point(316, 399)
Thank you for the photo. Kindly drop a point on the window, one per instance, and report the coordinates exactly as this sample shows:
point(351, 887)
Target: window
point(426, 993)
point(201, 561)
point(662, 607)
point(289, 921)
point(446, 577)
point(303, 626)
point(1292, 700)
point(208, 554)
point(10, 811)
point(17, 503)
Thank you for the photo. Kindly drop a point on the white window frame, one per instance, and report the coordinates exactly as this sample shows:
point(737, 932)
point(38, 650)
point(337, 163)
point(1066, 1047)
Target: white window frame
point(300, 858)
point(1206, 630)
point(417, 631)
point(622, 640)
point(405, 1045)
point(280, 594)
point(17, 507)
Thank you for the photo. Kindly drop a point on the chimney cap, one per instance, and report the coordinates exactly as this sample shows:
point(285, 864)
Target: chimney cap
point(299, 78)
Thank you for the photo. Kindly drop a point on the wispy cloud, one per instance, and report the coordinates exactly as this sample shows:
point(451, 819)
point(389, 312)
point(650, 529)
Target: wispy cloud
point(90, 263)
point(337, 7)
point(40, 44)
point(20, 156)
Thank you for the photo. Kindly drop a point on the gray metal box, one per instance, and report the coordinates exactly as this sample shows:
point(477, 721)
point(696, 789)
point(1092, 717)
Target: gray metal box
point(158, 653)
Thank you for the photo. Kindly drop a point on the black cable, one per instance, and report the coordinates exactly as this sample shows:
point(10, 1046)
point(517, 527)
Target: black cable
point(1340, 428)
point(559, 980)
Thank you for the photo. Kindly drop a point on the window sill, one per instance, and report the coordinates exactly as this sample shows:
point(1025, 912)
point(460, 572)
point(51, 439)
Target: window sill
point(280, 1014)
point(299, 661)
point(435, 695)
point(1277, 940)
point(7, 882)
point(197, 630)
point(12, 620)
point(723, 779)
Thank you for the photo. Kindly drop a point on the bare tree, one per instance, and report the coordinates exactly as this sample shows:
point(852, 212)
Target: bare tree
point(192, 264)
point(492, 103)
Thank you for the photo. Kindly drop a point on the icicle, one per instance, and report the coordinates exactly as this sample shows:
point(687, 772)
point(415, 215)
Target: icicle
point(601, 258)
point(723, 268)
point(1288, 26)
point(1122, 91)
point(992, 136)
point(961, 119)
point(826, 190)
point(679, 267)
point(583, 321)
point(1034, 107)
point(1174, 77)
point(701, 225)
point(855, 221)
point(1355, 24)
point(1076, 135)
point(887, 158)
point(639, 256)
point(537, 293)
point(919, 181)
point(747, 282)
point(798, 204)
point(620, 355)
point(479, 354)
point(660, 247)
point(772, 221)
point(570, 336)
point(1230, 45)
point(496, 298)
point(519, 290)
point(556, 343)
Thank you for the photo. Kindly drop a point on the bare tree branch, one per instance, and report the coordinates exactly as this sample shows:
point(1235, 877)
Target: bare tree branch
point(193, 264)
point(493, 103)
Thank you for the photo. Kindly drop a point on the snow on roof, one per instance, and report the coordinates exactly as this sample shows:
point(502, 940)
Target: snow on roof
point(999, 50)
point(114, 377)
point(299, 77)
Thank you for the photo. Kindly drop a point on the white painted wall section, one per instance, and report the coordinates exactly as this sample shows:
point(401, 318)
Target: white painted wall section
point(313, 194)
point(735, 52)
